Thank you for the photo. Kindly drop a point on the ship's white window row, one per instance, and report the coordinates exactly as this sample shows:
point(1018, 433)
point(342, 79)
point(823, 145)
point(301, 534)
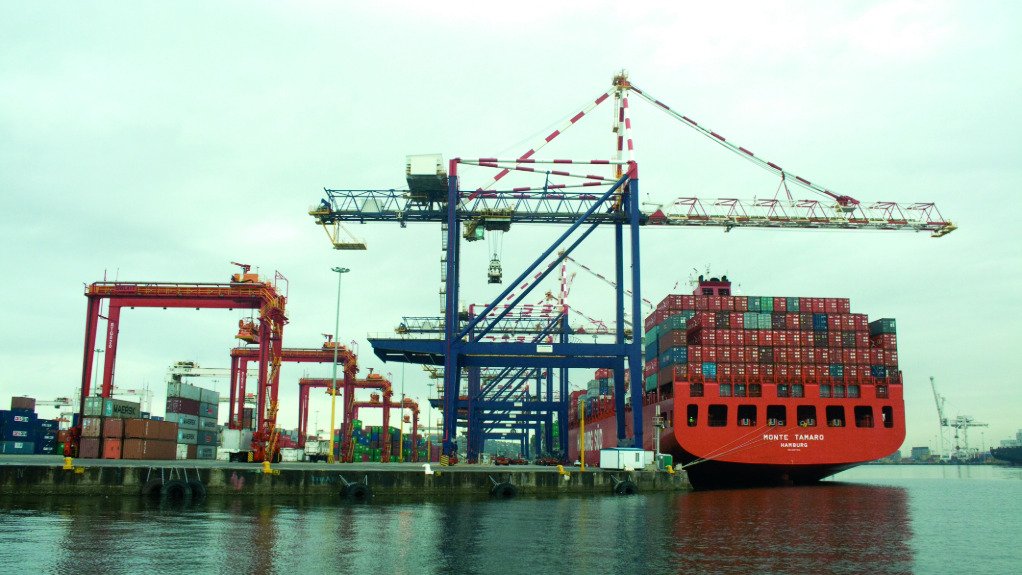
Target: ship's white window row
point(777, 415)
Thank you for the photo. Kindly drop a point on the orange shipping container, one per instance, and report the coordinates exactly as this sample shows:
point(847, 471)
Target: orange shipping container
point(112, 448)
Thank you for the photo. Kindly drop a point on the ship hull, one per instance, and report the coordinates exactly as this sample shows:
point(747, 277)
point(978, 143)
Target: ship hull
point(751, 456)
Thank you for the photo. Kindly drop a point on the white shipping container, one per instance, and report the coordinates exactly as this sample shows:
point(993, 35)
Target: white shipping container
point(185, 390)
point(291, 455)
point(235, 440)
point(625, 458)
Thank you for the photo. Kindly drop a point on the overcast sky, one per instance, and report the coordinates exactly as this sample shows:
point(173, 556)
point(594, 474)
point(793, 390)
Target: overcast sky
point(161, 141)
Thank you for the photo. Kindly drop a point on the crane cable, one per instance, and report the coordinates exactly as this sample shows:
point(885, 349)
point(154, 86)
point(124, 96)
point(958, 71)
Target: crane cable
point(745, 153)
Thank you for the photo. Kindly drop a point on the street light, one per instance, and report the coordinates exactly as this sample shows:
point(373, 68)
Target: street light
point(333, 385)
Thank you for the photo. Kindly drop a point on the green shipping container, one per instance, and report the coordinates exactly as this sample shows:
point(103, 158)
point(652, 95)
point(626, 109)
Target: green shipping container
point(792, 304)
point(766, 303)
point(651, 335)
point(651, 382)
point(754, 303)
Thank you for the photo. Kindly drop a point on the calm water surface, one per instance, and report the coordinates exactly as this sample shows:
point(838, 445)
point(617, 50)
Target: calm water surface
point(871, 520)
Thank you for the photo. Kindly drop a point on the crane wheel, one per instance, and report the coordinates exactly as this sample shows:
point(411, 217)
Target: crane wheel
point(358, 492)
point(503, 490)
point(626, 487)
point(198, 490)
point(176, 490)
point(152, 488)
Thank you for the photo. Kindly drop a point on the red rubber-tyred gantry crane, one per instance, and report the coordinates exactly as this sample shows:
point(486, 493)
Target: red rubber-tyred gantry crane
point(241, 356)
point(373, 381)
point(572, 193)
point(244, 291)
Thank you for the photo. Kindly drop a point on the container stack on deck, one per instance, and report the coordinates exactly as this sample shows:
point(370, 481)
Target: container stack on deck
point(195, 411)
point(112, 429)
point(23, 432)
point(750, 340)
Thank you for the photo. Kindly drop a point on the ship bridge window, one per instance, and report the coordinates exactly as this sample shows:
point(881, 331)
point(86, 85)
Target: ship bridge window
point(755, 390)
point(776, 415)
point(887, 414)
point(782, 390)
point(806, 415)
point(798, 390)
point(725, 390)
point(695, 390)
point(853, 390)
point(835, 416)
point(716, 415)
point(824, 390)
point(740, 390)
point(692, 414)
point(863, 416)
point(747, 415)
point(882, 391)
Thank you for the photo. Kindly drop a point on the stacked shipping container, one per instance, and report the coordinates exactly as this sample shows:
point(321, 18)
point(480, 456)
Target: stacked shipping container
point(749, 340)
point(113, 429)
point(195, 411)
point(22, 432)
point(367, 443)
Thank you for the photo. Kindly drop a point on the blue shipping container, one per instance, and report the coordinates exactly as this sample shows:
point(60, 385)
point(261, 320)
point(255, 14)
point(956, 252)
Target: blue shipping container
point(878, 370)
point(17, 447)
point(819, 322)
point(837, 370)
point(709, 369)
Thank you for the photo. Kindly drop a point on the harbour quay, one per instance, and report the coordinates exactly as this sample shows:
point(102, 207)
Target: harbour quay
point(50, 476)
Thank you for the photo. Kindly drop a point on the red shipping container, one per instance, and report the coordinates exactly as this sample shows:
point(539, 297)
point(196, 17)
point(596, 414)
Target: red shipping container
point(805, 305)
point(652, 366)
point(752, 337)
point(726, 354)
point(182, 405)
point(862, 339)
point(728, 303)
point(781, 355)
point(23, 403)
point(741, 303)
point(830, 305)
point(861, 322)
point(833, 339)
point(88, 448)
point(780, 304)
point(752, 369)
point(725, 337)
point(736, 320)
point(833, 322)
point(695, 354)
point(738, 354)
point(604, 373)
point(702, 303)
point(724, 369)
point(766, 338)
point(876, 356)
point(890, 358)
point(818, 306)
point(716, 303)
point(844, 305)
point(823, 355)
point(796, 355)
point(738, 370)
point(112, 448)
point(709, 353)
point(113, 428)
point(781, 339)
point(738, 338)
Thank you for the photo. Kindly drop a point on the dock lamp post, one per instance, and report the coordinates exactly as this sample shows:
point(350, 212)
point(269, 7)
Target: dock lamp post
point(333, 380)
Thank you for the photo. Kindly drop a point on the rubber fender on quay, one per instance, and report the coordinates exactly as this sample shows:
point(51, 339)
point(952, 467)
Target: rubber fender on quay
point(198, 490)
point(176, 490)
point(626, 487)
point(357, 492)
point(152, 488)
point(504, 490)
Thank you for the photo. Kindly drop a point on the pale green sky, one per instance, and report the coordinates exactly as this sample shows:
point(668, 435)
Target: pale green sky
point(161, 141)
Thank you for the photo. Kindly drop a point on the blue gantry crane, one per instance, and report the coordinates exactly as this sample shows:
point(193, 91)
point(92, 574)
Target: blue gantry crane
point(582, 202)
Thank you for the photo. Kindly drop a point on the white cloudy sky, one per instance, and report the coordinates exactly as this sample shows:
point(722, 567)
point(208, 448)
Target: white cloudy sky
point(160, 141)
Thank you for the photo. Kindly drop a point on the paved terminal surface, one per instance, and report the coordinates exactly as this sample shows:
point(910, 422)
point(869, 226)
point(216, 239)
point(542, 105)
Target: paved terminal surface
point(45, 475)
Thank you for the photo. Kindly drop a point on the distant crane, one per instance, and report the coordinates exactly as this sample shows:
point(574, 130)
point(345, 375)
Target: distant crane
point(961, 424)
point(59, 402)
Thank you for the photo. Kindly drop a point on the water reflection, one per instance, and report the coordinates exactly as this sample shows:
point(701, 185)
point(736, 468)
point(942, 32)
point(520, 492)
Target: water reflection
point(832, 528)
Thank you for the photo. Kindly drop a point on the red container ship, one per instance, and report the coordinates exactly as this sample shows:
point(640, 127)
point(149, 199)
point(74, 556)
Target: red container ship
point(757, 391)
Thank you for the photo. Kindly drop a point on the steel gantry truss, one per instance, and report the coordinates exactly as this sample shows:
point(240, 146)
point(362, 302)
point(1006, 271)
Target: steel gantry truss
point(582, 201)
point(245, 291)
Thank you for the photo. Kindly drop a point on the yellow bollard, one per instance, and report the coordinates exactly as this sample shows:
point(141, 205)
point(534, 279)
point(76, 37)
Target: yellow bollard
point(68, 465)
point(670, 469)
point(266, 468)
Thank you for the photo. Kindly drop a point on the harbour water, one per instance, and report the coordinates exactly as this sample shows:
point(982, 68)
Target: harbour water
point(872, 519)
